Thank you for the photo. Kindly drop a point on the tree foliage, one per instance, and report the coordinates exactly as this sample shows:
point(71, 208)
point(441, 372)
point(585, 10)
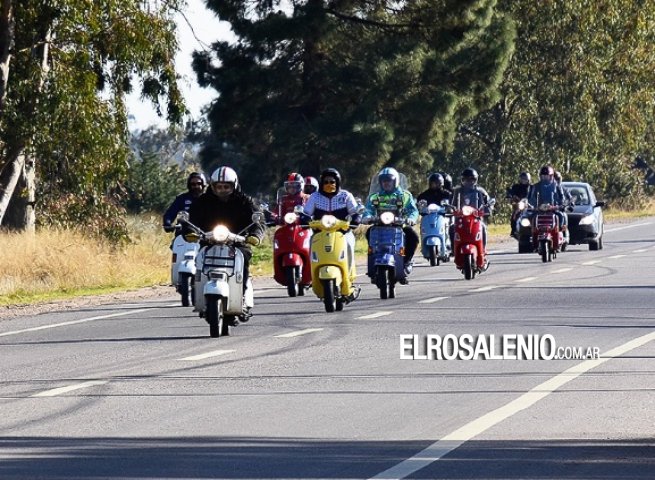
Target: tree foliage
point(70, 64)
point(348, 84)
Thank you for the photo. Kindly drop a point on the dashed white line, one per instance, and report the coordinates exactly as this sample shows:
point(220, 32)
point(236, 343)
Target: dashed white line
point(617, 256)
point(562, 270)
point(432, 300)
point(298, 333)
point(374, 315)
point(641, 250)
point(629, 226)
point(485, 289)
point(58, 391)
point(526, 279)
point(74, 322)
point(591, 262)
point(203, 356)
point(474, 428)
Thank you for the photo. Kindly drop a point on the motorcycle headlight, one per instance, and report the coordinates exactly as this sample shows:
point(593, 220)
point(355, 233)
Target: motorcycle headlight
point(525, 222)
point(328, 221)
point(290, 218)
point(387, 218)
point(433, 207)
point(220, 233)
point(467, 210)
point(587, 220)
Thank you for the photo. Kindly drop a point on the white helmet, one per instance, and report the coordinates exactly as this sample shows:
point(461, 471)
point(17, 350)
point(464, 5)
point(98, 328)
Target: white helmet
point(225, 175)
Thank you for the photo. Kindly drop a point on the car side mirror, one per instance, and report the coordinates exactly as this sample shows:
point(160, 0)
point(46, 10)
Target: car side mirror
point(599, 204)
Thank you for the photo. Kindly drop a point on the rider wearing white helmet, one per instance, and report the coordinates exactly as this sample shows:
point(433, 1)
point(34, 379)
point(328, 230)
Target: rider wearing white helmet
point(224, 203)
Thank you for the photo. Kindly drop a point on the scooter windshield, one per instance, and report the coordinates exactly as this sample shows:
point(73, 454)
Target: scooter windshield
point(374, 186)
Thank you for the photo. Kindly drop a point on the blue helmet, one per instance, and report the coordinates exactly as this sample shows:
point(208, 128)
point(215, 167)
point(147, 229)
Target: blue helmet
point(389, 173)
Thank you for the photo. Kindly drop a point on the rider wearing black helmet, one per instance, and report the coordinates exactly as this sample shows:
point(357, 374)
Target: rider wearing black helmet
point(470, 193)
point(195, 185)
point(514, 194)
point(436, 191)
point(547, 190)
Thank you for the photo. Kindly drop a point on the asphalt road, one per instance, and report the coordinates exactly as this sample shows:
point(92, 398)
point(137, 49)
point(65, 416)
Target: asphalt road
point(140, 391)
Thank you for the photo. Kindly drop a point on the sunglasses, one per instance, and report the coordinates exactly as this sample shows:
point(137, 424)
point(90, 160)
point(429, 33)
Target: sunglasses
point(329, 182)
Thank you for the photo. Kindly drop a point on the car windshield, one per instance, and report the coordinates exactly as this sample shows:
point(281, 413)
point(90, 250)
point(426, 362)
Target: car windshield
point(579, 195)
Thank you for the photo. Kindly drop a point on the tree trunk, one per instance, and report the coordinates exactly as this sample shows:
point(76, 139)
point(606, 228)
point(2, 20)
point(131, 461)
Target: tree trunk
point(20, 213)
point(6, 37)
point(9, 178)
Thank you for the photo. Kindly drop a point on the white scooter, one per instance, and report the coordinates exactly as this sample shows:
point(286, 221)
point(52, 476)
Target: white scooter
point(183, 268)
point(219, 288)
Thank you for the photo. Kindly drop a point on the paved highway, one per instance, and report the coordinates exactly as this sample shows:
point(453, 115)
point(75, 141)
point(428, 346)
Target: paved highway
point(140, 391)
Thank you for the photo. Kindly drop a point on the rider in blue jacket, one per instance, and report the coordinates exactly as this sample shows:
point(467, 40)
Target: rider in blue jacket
point(547, 190)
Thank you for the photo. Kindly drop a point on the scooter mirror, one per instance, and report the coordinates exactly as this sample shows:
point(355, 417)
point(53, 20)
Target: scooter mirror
point(492, 202)
point(257, 217)
point(182, 217)
point(361, 208)
point(445, 202)
point(422, 204)
point(298, 210)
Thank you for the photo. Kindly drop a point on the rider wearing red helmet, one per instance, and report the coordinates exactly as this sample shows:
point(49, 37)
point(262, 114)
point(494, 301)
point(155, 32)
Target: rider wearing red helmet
point(292, 195)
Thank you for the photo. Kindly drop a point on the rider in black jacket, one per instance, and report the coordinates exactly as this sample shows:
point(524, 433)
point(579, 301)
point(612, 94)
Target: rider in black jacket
point(224, 203)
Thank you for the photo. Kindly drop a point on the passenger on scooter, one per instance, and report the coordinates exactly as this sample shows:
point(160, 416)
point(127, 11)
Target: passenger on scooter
point(333, 200)
point(225, 204)
point(447, 181)
point(311, 185)
point(388, 197)
point(567, 195)
point(436, 191)
point(195, 185)
point(292, 197)
point(514, 194)
point(546, 190)
point(470, 193)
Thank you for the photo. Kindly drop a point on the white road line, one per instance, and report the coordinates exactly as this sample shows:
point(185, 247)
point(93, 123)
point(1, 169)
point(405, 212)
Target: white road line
point(373, 315)
point(641, 250)
point(74, 322)
point(474, 428)
point(617, 256)
point(526, 279)
point(298, 333)
point(485, 289)
point(628, 226)
point(266, 290)
point(58, 391)
point(562, 270)
point(590, 262)
point(432, 300)
point(203, 356)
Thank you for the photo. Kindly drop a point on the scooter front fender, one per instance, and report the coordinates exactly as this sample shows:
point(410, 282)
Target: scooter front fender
point(291, 260)
point(330, 272)
point(431, 241)
point(217, 287)
point(187, 266)
point(385, 259)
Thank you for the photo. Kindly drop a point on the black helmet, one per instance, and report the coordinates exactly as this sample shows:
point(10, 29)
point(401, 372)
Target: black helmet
point(193, 175)
point(436, 178)
point(330, 172)
point(525, 176)
point(547, 170)
point(447, 181)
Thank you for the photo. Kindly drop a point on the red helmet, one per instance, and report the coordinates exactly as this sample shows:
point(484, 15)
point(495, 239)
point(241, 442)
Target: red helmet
point(311, 185)
point(294, 183)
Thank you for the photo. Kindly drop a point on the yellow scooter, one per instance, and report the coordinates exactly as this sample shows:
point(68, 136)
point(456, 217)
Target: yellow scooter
point(333, 266)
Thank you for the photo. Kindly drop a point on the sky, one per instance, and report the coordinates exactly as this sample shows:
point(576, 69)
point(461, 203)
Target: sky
point(207, 29)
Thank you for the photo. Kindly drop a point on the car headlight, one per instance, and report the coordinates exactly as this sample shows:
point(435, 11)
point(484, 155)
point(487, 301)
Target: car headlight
point(587, 220)
point(290, 218)
point(467, 210)
point(328, 221)
point(525, 222)
point(220, 233)
point(387, 218)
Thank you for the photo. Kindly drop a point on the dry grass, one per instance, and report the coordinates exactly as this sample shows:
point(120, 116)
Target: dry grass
point(59, 264)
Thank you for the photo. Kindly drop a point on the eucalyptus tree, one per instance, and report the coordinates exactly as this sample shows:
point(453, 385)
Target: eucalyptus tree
point(354, 85)
point(66, 67)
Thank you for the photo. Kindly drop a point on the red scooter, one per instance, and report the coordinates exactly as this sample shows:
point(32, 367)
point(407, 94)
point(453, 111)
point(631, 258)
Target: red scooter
point(547, 237)
point(469, 250)
point(292, 266)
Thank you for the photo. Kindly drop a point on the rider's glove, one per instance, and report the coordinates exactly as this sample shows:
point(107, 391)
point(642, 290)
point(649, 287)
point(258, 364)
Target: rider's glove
point(169, 228)
point(410, 222)
point(191, 237)
point(252, 240)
